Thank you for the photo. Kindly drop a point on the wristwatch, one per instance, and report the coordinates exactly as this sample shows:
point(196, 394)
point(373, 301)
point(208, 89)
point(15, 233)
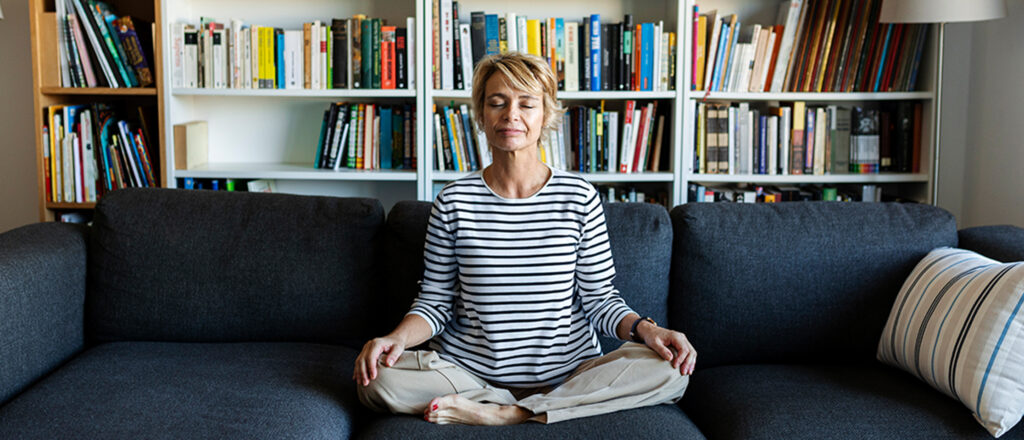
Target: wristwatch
point(632, 331)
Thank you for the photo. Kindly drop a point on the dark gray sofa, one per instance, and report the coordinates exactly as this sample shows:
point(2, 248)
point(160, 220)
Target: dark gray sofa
point(195, 314)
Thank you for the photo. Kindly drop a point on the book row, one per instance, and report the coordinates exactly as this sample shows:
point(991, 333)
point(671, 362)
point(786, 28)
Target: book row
point(589, 140)
point(90, 150)
point(773, 194)
point(591, 54)
point(815, 46)
point(367, 137)
point(354, 53)
point(99, 49)
point(797, 139)
point(242, 185)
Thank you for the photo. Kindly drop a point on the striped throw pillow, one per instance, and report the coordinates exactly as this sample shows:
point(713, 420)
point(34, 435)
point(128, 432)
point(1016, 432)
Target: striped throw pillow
point(958, 325)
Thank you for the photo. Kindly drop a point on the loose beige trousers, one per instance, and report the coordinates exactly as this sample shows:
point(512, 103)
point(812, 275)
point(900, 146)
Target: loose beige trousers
point(631, 377)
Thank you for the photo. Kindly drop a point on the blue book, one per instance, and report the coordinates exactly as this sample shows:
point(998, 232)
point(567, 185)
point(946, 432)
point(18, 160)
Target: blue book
point(560, 50)
point(492, 35)
point(881, 62)
point(279, 37)
point(762, 149)
point(190, 183)
point(385, 138)
point(716, 75)
point(727, 75)
point(595, 52)
point(467, 134)
point(647, 57)
point(451, 139)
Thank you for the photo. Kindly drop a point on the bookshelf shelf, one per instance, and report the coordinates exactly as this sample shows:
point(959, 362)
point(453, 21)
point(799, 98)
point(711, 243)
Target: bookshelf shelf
point(812, 97)
point(99, 91)
point(298, 93)
point(466, 94)
point(69, 206)
point(291, 172)
point(813, 179)
point(445, 176)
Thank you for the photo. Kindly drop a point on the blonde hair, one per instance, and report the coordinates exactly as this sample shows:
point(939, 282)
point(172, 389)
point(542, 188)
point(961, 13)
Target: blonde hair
point(521, 71)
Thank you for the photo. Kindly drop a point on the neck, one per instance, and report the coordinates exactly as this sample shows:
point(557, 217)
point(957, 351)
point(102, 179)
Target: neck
point(516, 174)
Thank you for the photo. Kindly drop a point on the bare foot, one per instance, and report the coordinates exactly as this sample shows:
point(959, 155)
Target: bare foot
point(455, 409)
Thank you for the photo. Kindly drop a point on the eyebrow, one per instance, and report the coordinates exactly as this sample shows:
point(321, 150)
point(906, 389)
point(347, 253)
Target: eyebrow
point(501, 95)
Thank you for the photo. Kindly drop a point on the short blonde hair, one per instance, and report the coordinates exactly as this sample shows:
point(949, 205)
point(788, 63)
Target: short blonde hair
point(525, 72)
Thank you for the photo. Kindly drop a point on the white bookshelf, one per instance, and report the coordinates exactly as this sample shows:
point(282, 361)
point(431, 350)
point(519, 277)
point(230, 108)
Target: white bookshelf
point(272, 134)
point(915, 186)
point(612, 11)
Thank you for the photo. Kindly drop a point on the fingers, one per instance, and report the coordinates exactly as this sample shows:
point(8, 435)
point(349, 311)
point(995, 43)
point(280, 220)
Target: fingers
point(690, 363)
point(371, 362)
point(393, 356)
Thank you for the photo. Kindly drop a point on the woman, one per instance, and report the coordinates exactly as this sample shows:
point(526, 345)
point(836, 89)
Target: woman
point(517, 286)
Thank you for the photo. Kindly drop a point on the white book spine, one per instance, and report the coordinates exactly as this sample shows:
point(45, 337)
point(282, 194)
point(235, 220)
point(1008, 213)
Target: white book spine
point(521, 33)
point(613, 141)
point(731, 147)
point(246, 59)
point(709, 67)
point(178, 55)
point(219, 60)
point(191, 58)
point(773, 145)
point(89, 157)
point(784, 139)
point(656, 61)
point(447, 47)
point(438, 143)
point(572, 68)
point(792, 14)
point(743, 152)
point(634, 138)
point(237, 52)
point(767, 63)
point(62, 33)
point(293, 59)
point(76, 150)
point(314, 56)
point(465, 41)
point(324, 38)
point(513, 31)
point(664, 61)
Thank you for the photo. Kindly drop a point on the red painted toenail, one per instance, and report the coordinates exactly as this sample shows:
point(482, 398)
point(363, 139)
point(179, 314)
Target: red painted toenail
point(435, 407)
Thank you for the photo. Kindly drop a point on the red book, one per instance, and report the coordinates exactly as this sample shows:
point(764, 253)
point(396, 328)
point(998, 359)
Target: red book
point(387, 57)
point(774, 57)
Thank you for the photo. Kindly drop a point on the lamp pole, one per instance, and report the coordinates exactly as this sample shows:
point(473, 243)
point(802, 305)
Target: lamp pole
point(937, 117)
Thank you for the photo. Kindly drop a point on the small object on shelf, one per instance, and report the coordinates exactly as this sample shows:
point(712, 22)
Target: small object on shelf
point(191, 145)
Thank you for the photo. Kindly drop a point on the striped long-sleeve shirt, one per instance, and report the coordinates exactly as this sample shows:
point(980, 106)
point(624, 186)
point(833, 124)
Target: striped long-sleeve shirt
point(516, 290)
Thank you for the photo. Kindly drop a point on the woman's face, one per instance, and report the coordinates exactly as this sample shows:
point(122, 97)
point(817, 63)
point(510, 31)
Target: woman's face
point(513, 119)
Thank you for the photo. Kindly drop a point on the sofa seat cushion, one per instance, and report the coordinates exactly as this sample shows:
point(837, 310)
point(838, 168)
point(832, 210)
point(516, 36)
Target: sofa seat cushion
point(178, 390)
point(867, 400)
point(655, 422)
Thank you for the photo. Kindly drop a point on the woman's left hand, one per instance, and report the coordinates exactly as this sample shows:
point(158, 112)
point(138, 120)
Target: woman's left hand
point(670, 345)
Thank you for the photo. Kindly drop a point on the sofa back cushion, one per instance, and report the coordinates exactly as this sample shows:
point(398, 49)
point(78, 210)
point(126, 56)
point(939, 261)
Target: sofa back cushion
point(207, 266)
point(794, 282)
point(640, 235)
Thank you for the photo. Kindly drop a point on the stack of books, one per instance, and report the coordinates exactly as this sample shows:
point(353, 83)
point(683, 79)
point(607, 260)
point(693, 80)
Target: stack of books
point(98, 49)
point(354, 53)
point(591, 54)
point(367, 137)
point(774, 194)
point(458, 145)
point(815, 46)
point(797, 139)
point(89, 150)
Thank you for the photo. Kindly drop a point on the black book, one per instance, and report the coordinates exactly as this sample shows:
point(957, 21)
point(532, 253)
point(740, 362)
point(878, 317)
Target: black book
point(755, 166)
point(585, 54)
point(478, 33)
point(627, 50)
point(325, 148)
point(401, 58)
point(457, 46)
point(606, 65)
point(620, 56)
point(337, 148)
point(903, 137)
point(339, 54)
point(446, 145)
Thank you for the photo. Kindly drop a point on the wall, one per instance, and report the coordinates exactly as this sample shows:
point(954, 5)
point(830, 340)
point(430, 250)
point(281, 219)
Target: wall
point(18, 187)
point(993, 190)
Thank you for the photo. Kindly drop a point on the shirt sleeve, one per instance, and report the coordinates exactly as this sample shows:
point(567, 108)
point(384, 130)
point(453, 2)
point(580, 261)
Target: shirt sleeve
point(439, 287)
point(595, 270)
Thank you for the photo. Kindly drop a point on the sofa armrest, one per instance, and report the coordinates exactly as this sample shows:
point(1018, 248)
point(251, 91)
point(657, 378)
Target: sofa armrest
point(42, 297)
point(1003, 243)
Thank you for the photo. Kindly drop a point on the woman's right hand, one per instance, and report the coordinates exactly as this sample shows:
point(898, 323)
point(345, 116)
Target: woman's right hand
point(366, 363)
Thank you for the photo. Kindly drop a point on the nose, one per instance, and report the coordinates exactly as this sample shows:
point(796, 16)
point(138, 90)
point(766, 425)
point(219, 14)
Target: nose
point(512, 112)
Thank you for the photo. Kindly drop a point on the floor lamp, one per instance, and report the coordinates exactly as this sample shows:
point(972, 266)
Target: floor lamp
point(941, 12)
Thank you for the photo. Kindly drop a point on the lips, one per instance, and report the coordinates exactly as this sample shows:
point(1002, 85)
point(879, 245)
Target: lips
point(509, 132)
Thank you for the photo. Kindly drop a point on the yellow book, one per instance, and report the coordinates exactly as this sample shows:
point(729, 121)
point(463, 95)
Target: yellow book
point(701, 137)
point(454, 126)
point(533, 37)
point(56, 134)
point(271, 68)
point(702, 36)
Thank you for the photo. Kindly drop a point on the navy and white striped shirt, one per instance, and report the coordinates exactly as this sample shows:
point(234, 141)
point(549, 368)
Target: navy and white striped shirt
point(515, 290)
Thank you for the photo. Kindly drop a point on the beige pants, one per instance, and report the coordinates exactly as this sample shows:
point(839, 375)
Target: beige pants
point(631, 377)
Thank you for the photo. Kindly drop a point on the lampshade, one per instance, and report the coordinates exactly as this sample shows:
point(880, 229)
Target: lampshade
point(940, 11)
